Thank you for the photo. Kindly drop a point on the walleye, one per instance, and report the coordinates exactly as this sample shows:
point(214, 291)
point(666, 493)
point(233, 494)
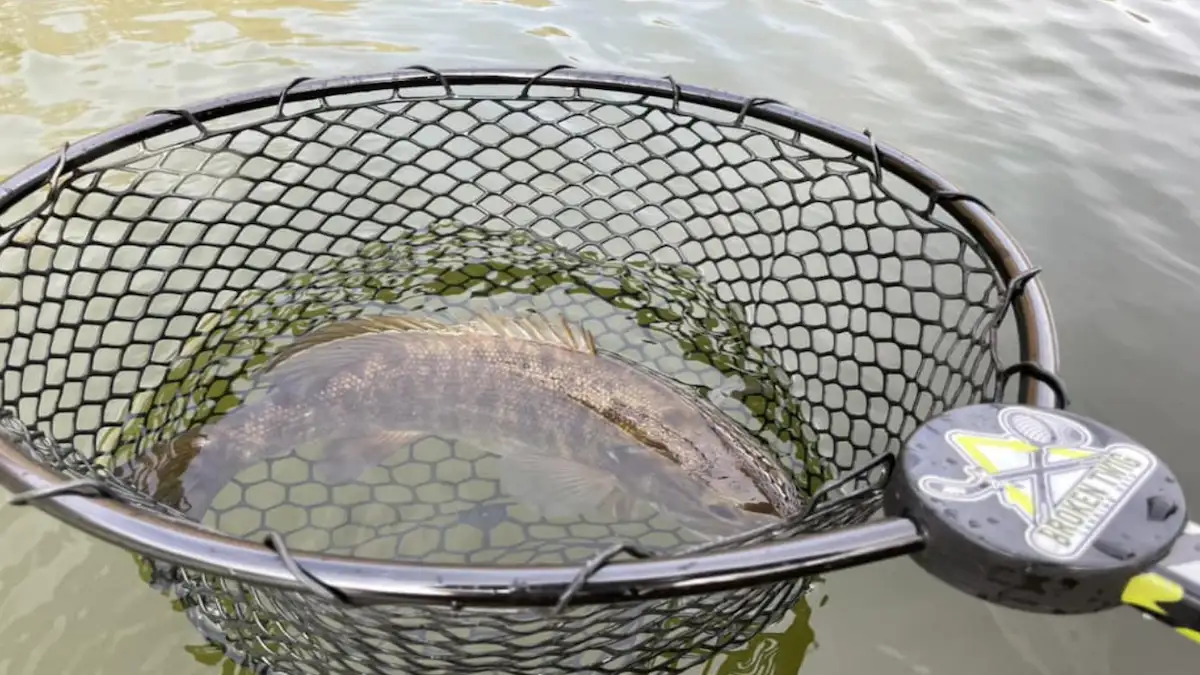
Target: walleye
point(574, 427)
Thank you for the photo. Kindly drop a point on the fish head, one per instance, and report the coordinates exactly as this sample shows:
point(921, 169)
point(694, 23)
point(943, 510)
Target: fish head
point(715, 514)
point(699, 505)
point(739, 514)
point(720, 459)
point(738, 491)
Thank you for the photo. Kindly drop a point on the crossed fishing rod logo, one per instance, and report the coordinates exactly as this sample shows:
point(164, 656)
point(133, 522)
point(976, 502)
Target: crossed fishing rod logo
point(1037, 458)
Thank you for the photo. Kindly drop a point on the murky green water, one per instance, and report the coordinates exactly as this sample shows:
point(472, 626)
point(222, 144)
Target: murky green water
point(1074, 118)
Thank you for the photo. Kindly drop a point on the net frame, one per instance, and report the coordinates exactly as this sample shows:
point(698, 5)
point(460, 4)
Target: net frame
point(88, 506)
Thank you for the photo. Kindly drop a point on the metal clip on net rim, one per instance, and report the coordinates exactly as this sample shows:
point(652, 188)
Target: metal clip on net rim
point(85, 505)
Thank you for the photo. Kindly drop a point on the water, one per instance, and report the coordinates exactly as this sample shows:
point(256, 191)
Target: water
point(1071, 118)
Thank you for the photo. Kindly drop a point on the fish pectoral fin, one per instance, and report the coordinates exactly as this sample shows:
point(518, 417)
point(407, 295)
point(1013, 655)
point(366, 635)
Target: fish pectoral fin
point(621, 506)
point(347, 458)
point(555, 485)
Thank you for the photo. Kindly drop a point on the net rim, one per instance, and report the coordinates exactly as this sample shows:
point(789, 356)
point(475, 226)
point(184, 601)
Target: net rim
point(372, 581)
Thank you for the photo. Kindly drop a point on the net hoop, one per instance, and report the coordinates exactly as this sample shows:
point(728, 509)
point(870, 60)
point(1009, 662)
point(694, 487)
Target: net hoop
point(373, 582)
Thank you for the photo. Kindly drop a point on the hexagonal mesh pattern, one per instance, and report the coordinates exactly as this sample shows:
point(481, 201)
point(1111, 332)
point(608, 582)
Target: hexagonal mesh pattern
point(781, 276)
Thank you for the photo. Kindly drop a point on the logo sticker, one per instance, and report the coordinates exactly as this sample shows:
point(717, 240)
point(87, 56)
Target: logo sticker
point(1045, 469)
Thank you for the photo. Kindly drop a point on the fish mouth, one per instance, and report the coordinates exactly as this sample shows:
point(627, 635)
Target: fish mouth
point(730, 511)
point(765, 508)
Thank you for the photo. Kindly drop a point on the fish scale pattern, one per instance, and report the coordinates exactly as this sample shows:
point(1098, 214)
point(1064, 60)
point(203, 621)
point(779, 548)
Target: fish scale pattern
point(823, 306)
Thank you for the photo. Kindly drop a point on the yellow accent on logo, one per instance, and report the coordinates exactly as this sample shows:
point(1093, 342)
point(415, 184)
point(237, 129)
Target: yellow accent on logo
point(981, 449)
point(1019, 498)
point(1071, 453)
point(1147, 590)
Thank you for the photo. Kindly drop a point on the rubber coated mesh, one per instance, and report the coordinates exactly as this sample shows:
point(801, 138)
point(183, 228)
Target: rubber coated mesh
point(771, 270)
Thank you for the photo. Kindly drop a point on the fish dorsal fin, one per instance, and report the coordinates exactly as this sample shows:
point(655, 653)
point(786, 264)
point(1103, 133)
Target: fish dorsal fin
point(356, 327)
point(533, 327)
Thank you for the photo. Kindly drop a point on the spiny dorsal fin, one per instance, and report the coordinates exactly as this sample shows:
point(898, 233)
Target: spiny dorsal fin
point(356, 327)
point(533, 327)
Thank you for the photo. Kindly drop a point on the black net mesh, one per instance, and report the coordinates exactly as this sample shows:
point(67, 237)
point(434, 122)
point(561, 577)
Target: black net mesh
point(805, 295)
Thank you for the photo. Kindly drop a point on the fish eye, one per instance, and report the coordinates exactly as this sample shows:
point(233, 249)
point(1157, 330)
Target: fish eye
point(721, 511)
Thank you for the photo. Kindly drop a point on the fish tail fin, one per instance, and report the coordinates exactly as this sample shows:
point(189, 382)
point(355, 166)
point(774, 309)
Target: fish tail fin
point(187, 471)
